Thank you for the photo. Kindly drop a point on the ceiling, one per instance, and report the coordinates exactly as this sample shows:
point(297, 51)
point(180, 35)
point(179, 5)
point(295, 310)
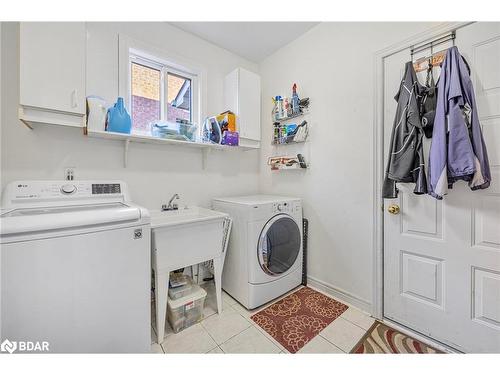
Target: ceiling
point(251, 40)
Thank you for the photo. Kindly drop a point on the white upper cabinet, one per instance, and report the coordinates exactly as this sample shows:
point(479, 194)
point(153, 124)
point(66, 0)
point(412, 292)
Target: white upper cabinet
point(242, 96)
point(52, 73)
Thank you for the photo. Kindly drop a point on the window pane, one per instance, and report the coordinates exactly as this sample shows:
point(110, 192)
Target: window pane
point(145, 98)
point(179, 98)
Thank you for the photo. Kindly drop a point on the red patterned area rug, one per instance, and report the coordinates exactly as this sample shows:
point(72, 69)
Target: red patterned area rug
point(296, 319)
point(383, 339)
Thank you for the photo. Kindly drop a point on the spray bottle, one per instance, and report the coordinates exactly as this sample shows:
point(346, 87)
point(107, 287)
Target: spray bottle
point(295, 100)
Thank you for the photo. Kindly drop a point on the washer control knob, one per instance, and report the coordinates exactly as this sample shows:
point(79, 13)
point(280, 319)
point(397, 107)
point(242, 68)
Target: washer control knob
point(68, 189)
point(280, 207)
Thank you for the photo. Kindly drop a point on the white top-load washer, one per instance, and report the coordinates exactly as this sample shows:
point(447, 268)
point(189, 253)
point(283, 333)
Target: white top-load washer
point(75, 267)
point(264, 257)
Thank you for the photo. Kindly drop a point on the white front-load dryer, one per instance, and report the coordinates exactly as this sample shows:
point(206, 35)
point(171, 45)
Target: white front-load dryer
point(264, 257)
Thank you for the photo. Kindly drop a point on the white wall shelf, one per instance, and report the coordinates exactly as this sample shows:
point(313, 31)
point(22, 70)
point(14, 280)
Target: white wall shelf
point(294, 167)
point(276, 150)
point(289, 140)
point(273, 143)
point(281, 165)
point(284, 119)
point(127, 138)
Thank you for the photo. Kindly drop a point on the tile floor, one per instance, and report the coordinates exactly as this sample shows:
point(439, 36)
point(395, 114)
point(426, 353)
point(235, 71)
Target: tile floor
point(233, 331)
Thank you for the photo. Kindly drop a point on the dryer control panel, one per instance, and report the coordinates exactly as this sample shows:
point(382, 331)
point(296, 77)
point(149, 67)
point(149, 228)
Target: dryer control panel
point(287, 207)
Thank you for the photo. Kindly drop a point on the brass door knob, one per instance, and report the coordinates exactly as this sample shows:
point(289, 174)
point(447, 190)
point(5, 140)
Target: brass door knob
point(393, 209)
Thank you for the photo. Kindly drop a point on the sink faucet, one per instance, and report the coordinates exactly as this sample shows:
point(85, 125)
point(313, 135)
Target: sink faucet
point(170, 206)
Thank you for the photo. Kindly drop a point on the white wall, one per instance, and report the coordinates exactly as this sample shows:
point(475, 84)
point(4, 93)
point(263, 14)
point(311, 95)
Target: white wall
point(155, 172)
point(333, 65)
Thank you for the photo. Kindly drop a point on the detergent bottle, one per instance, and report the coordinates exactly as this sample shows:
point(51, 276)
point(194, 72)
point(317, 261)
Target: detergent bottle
point(118, 119)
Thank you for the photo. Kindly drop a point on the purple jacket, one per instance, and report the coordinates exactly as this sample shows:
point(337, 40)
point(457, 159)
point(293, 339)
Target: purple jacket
point(457, 150)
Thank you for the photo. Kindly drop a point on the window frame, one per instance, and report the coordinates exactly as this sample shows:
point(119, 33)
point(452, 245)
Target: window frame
point(134, 51)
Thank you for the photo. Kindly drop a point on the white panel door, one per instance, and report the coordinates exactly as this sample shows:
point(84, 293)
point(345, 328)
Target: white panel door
point(442, 258)
point(52, 65)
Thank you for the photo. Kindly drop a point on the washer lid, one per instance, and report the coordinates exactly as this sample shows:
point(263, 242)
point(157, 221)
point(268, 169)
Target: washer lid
point(25, 220)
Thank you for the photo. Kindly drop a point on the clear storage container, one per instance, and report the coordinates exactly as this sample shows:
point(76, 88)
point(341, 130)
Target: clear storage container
point(181, 291)
point(179, 286)
point(188, 310)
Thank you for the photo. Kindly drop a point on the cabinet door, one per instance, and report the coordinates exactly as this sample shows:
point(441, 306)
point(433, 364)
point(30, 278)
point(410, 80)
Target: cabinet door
point(249, 105)
point(231, 95)
point(52, 65)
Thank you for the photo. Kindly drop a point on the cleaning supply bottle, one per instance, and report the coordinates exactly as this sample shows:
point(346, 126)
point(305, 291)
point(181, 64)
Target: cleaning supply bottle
point(295, 100)
point(276, 137)
point(282, 108)
point(276, 112)
point(283, 134)
point(287, 107)
point(118, 119)
point(278, 107)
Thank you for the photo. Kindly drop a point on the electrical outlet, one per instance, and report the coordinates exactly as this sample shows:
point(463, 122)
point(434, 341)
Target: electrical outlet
point(69, 173)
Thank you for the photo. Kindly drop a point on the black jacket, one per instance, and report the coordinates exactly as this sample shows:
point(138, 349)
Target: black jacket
point(406, 157)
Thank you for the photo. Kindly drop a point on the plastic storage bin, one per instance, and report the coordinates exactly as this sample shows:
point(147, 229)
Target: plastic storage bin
point(188, 310)
point(186, 284)
point(188, 130)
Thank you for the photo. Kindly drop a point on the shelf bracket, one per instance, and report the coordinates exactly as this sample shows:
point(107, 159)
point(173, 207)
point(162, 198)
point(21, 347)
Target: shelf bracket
point(204, 157)
point(125, 153)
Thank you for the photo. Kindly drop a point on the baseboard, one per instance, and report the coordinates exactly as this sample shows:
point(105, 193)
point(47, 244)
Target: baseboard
point(341, 295)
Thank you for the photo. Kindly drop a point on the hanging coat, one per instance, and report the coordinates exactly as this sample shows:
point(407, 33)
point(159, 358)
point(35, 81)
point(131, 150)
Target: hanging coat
point(458, 151)
point(406, 156)
point(428, 103)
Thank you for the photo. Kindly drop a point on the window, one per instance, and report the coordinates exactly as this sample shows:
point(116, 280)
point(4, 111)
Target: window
point(160, 92)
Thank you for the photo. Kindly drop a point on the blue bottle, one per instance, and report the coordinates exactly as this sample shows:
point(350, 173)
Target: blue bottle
point(118, 119)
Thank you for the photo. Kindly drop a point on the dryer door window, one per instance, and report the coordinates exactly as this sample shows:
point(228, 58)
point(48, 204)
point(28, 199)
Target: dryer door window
point(279, 245)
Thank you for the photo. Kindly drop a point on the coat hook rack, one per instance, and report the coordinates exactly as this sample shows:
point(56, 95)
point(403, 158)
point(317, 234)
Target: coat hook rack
point(435, 58)
point(433, 43)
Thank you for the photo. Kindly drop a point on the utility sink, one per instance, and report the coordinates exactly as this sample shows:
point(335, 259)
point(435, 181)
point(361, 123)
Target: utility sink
point(187, 236)
point(186, 215)
point(182, 238)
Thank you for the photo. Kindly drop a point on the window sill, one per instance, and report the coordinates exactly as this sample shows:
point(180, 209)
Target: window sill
point(163, 141)
point(127, 138)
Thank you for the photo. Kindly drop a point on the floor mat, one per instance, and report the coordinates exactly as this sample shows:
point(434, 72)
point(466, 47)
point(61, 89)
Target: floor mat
point(296, 319)
point(383, 339)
